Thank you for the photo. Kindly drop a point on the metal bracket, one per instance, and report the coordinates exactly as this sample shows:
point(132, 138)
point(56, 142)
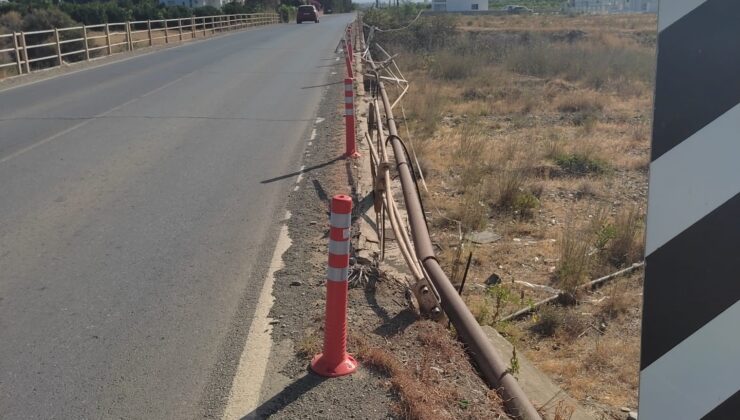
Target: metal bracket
point(427, 301)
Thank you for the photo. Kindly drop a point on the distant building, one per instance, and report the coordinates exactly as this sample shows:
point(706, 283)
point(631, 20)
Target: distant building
point(613, 6)
point(459, 5)
point(196, 3)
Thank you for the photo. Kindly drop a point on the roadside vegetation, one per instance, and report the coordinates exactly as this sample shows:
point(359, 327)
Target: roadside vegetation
point(536, 128)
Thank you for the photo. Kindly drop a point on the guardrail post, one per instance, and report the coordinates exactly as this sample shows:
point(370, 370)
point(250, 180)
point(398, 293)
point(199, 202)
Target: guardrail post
point(87, 47)
point(17, 53)
point(192, 27)
point(149, 31)
point(166, 34)
point(58, 46)
point(179, 27)
point(107, 39)
point(334, 360)
point(129, 41)
point(349, 119)
point(25, 52)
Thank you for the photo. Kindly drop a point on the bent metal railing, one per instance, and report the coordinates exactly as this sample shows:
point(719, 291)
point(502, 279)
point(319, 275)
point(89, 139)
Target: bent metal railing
point(488, 360)
point(24, 52)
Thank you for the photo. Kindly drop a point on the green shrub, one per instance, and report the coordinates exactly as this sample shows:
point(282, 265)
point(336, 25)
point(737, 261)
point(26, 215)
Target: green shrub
point(580, 164)
point(206, 11)
point(547, 321)
point(50, 18)
point(524, 204)
point(287, 13)
point(428, 33)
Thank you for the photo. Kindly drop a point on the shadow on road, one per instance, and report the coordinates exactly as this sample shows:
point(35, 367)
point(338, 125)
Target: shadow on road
point(286, 397)
point(296, 173)
point(324, 85)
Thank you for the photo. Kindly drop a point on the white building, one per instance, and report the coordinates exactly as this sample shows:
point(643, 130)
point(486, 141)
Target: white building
point(613, 6)
point(459, 5)
point(196, 3)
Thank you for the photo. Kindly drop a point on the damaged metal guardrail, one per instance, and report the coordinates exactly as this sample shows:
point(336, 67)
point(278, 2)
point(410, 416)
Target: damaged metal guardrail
point(490, 363)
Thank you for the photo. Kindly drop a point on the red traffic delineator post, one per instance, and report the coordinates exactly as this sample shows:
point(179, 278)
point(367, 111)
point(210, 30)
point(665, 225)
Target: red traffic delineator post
point(348, 58)
point(348, 55)
point(334, 360)
point(349, 119)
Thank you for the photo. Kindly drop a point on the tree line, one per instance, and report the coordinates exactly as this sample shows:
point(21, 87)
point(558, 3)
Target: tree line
point(33, 15)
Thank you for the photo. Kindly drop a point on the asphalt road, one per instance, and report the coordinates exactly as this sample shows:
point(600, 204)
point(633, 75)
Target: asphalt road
point(137, 203)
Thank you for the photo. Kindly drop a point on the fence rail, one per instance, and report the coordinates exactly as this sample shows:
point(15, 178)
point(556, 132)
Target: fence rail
point(55, 47)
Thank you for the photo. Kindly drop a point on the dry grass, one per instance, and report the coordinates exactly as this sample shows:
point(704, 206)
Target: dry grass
point(576, 260)
point(309, 345)
point(422, 381)
point(537, 127)
point(626, 246)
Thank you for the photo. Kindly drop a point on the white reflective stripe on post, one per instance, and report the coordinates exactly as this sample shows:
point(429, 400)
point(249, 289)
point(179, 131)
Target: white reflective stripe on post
point(348, 100)
point(348, 87)
point(338, 247)
point(337, 274)
point(349, 112)
point(339, 220)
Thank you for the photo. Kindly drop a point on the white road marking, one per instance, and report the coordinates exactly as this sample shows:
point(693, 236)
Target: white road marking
point(319, 120)
point(247, 386)
point(313, 134)
point(300, 174)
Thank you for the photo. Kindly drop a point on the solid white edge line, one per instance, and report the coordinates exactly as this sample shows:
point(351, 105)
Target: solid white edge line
point(246, 388)
point(693, 179)
point(695, 376)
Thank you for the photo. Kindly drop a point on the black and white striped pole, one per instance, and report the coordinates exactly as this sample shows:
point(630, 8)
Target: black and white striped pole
point(690, 354)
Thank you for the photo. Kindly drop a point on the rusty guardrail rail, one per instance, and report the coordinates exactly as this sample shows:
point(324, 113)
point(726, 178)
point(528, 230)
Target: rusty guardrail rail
point(77, 43)
point(490, 363)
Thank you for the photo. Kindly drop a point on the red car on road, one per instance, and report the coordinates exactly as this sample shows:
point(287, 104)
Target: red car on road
point(306, 13)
